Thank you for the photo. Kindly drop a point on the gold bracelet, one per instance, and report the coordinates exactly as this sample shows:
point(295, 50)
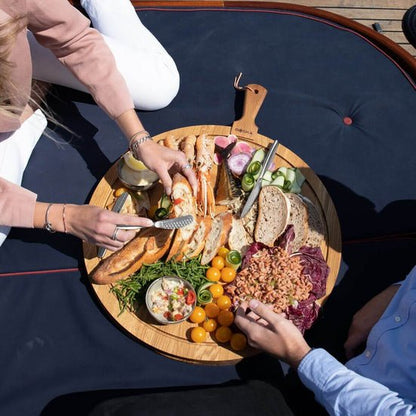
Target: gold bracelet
point(48, 225)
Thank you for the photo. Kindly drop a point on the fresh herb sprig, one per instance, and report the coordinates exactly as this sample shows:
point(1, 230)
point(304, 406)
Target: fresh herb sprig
point(131, 291)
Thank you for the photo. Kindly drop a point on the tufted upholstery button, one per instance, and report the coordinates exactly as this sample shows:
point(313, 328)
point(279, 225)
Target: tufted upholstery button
point(347, 121)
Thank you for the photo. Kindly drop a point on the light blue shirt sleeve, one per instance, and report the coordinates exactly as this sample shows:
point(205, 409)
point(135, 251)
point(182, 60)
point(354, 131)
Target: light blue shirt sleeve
point(345, 393)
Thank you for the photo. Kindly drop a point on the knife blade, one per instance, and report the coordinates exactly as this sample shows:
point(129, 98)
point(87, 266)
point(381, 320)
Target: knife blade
point(257, 187)
point(118, 205)
point(169, 224)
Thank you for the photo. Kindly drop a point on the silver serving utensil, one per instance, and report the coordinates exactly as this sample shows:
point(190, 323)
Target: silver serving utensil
point(118, 205)
point(169, 224)
point(257, 187)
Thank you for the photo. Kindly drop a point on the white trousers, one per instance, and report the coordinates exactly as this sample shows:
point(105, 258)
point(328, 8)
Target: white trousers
point(150, 73)
point(15, 152)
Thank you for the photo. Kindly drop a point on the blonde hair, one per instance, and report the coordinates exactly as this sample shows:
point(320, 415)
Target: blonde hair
point(8, 91)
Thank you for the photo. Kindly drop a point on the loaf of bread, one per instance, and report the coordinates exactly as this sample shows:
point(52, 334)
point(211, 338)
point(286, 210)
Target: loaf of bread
point(150, 245)
point(273, 215)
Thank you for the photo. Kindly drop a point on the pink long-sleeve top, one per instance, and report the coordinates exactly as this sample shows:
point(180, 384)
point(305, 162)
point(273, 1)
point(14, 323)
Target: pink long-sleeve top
point(67, 33)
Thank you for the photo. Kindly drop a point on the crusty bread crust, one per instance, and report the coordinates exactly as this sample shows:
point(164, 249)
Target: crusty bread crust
point(299, 218)
point(217, 237)
point(148, 246)
point(273, 215)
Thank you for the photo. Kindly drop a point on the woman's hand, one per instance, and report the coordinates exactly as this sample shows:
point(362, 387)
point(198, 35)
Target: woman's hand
point(98, 226)
point(271, 332)
point(365, 319)
point(164, 161)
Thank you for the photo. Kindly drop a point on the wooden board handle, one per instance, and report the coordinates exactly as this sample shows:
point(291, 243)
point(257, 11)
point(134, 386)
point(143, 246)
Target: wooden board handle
point(246, 127)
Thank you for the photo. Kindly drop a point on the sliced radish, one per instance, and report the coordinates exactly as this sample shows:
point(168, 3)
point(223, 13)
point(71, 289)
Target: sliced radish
point(242, 147)
point(238, 163)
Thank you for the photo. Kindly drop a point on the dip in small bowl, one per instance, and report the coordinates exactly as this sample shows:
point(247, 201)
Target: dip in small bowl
point(170, 299)
point(134, 174)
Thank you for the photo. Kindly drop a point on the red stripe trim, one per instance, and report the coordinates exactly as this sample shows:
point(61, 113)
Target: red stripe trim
point(282, 12)
point(35, 272)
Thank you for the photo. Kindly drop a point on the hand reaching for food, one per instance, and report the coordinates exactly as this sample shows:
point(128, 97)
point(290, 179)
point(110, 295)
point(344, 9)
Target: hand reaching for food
point(271, 332)
point(164, 161)
point(365, 318)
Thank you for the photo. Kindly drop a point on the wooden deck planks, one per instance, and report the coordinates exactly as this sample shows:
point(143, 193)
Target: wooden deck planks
point(388, 13)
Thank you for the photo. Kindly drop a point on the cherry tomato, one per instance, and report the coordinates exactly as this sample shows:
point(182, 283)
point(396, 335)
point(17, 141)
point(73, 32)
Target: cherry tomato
point(223, 252)
point(198, 315)
point(177, 317)
point(223, 334)
point(210, 325)
point(224, 302)
point(218, 262)
point(228, 274)
point(198, 334)
point(216, 290)
point(212, 310)
point(225, 318)
point(190, 297)
point(213, 274)
point(238, 341)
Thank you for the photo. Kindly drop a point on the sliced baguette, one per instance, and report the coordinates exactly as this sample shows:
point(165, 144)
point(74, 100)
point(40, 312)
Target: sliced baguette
point(239, 239)
point(273, 215)
point(183, 204)
point(148, 246)
point(197, 242)
point(217, 237)
point(299, 218)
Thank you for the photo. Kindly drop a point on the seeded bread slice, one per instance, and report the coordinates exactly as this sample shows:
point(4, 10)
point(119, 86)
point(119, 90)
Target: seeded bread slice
point(299, 218)
point(316, 224)
point(273, 215)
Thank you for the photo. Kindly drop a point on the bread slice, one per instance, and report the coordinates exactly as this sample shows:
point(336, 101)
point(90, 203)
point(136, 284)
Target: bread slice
point(218, 236)
point(148, 246)
point(299, 218)
point(183, 204)
point(273, 215)
point(239, 239)
point(316, 224)
point(197, 242)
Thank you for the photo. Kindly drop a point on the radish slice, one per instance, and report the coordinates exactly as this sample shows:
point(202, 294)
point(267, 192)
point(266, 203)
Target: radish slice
point(238, 163)
point(242, 147)
point(223, 142)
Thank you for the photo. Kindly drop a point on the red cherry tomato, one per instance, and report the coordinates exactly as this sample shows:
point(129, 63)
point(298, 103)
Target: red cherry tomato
point(190, 297)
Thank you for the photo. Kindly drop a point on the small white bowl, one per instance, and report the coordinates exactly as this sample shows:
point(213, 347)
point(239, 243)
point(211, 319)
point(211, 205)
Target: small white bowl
point(136, 180)
point(156, 286)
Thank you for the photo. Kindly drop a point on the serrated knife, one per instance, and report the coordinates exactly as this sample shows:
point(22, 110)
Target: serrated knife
point(118, 205)
point(169, 224)
point(257, 187)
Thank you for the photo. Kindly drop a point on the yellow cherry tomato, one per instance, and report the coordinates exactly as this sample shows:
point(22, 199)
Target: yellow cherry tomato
point(198, 334)
point(238, 341)
point(223, 334)
point(216, 290)
point(198, 315)
point(225, 318)
point(213, 274)
point(223, 251)
point(228, 274)
point(212, 310)
point(218, 262)
point(210, 325)
point(224, 302)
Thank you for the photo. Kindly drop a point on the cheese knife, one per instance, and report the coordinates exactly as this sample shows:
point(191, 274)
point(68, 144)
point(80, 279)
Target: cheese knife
point(257, 187)
point(118, 205)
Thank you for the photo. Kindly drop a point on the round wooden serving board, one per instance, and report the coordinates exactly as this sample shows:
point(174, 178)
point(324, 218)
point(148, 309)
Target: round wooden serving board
point(173, 340)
